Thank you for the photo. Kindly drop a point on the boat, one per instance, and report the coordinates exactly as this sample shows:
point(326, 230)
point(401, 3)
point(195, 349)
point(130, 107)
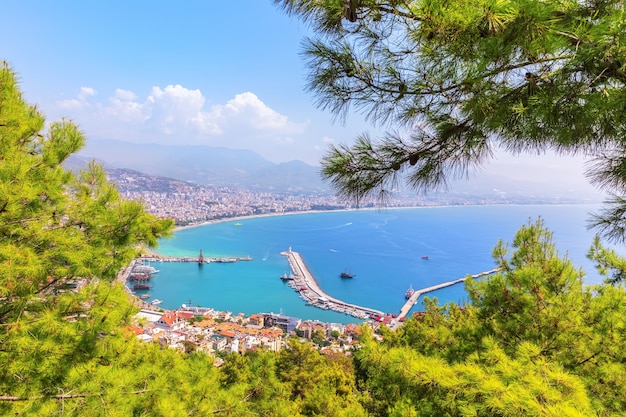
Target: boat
point(409, 292)
point(144, 296)
point(156, 302)
point(139, 276)
point(286, 277)
point(238, 224)
point(140, 286)
point(145, 269)
point(425, 257)
point(346, 274)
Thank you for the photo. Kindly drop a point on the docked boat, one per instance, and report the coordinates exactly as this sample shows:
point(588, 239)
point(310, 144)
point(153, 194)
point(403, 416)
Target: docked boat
point(286, 277)
point(409, 292)
point(144, 296)
point(141, 286)
point(346, 274)
point(139, 276)
point(145, 269)
point(156, 302)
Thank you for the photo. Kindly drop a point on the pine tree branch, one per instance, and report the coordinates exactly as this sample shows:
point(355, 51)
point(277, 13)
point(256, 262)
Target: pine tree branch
point(11, 398)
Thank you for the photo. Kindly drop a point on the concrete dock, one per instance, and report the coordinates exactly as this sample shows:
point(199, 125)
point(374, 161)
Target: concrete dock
point(195, 259)
point(418, 293)
point(304, 282)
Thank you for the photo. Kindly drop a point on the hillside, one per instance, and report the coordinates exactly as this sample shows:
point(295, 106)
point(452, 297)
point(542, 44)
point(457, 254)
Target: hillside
point(245, 169)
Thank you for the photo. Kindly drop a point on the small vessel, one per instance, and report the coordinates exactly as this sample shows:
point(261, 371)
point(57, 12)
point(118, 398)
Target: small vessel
point(286, 277)
point(145, 269)
point(140, 286)
point(346, 274)
point(425, 257)
point(409, 292)
point(238, 224)
point(156, 302)
point(139, 276)
point(200, 259)
point(144, 296)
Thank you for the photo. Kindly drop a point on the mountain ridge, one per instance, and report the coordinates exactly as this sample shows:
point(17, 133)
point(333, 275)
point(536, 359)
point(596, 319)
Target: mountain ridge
point(238, 168)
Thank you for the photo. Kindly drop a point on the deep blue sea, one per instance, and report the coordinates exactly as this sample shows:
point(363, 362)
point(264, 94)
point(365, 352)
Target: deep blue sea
point(382, 248)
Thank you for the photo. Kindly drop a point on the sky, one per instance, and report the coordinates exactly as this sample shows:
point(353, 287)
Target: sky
point(215, 73)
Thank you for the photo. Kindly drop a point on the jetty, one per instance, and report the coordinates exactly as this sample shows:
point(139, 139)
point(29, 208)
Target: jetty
point(305, 284)
point(199, 259)
point(404, 310)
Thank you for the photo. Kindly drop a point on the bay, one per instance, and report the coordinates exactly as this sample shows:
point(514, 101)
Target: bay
point(382, 248)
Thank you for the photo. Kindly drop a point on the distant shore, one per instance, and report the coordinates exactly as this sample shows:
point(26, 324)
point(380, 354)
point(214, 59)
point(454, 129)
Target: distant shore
point(288, 213)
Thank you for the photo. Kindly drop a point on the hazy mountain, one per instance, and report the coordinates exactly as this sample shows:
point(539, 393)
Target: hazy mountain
point(499, 185)
point(246, 169)
point(207, 165)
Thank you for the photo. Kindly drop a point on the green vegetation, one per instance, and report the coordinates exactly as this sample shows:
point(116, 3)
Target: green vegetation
point(453, 81)
point(534, 341)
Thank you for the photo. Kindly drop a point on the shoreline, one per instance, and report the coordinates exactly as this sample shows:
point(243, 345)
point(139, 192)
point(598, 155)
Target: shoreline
point(257, 216)
point(410, 211)
point(291, 213)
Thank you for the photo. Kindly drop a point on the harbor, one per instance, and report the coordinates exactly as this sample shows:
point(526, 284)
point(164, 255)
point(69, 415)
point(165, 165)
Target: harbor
point(302, 281)
point(305, 284)
point(140, 272)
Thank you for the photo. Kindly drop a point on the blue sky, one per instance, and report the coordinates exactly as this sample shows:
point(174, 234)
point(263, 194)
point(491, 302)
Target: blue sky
point(218, 73)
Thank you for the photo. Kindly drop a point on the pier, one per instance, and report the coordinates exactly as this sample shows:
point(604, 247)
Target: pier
point(304, 283)
point(200, 259)
point(413, 299)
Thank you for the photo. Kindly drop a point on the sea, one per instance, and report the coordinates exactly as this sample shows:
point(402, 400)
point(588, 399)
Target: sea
point(387, 250)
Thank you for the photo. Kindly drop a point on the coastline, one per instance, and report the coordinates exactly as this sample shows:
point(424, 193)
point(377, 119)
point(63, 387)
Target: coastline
point(455, 222)
point(434, 206)
point(256, 216)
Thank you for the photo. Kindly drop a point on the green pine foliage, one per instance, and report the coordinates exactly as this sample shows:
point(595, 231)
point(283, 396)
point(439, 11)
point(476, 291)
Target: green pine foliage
point(453, 81)
point(534, 341)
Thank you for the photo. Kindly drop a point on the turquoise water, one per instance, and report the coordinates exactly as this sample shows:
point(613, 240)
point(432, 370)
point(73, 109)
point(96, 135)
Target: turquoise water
point(383, 248)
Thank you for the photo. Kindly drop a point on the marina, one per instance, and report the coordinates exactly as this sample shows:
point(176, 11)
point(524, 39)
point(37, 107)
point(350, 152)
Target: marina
point(301, 280)
point(305, 284)
point(375, 247)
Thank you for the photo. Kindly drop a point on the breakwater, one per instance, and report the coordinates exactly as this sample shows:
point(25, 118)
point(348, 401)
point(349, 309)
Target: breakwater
point(195, 259)
point(404, 310)
point(304, 283)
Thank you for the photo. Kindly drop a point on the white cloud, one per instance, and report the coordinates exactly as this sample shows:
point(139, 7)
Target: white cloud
point(81, 100)
point(87, 92)
point(176, 114)
point(125, 95)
